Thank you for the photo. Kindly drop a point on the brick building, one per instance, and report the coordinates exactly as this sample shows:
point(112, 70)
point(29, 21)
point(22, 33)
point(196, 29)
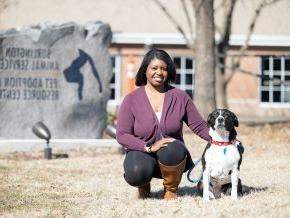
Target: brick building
point(136, 25)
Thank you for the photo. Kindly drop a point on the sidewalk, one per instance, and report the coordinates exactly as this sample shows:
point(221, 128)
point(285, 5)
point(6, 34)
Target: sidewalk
point(263, 120)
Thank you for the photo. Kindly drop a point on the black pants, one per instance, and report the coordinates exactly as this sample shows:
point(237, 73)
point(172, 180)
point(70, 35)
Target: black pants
point(140, 167)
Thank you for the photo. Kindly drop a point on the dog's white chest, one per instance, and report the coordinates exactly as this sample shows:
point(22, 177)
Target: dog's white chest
point(221, 160)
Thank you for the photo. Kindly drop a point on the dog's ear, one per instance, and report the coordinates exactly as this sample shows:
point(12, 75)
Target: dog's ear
point(235, 119)
point(210, 120)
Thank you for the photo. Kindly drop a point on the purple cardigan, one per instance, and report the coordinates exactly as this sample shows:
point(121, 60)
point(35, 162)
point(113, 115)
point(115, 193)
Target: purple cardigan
point(137, 123)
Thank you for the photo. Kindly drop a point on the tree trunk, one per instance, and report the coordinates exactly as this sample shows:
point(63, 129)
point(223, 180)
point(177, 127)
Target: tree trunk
point(204, 92)
point(221, 86)
point(220, 72)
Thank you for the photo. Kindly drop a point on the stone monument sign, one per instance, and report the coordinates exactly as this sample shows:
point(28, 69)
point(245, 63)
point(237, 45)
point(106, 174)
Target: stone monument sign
point(57, 74)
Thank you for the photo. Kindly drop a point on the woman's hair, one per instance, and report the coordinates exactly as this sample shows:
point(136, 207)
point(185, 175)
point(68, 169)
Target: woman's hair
point(161, 55)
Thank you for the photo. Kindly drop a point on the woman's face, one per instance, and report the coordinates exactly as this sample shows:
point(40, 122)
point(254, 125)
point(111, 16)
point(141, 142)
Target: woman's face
point(156, 72)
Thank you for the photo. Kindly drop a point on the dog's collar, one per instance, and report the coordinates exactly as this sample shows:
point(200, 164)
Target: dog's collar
point(219, 143)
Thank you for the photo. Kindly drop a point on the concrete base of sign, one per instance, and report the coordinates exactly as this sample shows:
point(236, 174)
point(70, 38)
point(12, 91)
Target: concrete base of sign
point(28, 145)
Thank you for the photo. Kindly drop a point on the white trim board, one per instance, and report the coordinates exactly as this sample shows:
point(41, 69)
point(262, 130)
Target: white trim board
point(177, 39)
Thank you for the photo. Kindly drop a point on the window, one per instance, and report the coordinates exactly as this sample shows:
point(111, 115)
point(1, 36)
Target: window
point(184, 74)
point(275, 79)
point(115, 80)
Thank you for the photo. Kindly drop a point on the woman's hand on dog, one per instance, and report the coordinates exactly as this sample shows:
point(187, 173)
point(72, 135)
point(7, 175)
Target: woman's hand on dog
point(161, 143)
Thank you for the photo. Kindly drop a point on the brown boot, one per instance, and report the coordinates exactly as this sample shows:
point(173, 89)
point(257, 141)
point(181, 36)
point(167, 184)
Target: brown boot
point(171, 178)
point(144, 191)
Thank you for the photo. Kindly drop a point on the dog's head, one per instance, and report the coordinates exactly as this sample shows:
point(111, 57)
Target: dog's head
point(223, 120)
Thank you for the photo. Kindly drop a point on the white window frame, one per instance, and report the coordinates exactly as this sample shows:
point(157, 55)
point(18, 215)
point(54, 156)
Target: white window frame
point(183, 71)
point(271, 88)
point(117, 84)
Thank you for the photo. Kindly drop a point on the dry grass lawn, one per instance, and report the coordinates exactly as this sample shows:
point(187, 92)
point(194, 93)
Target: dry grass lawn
point(90, 183)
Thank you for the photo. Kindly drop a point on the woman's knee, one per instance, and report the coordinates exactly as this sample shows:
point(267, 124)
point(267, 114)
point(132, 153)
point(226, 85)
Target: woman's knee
point(173, 153)
point(138, 168)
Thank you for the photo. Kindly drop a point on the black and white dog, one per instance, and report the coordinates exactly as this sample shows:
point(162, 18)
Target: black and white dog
point(222, 157)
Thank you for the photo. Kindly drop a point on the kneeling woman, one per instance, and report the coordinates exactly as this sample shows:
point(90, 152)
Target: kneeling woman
point(149, 126)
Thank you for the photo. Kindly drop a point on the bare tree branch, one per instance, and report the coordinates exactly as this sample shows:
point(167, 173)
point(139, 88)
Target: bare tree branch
point(173, 20)
point(253, 74)
point(228, 7)
point(197, 4)
point(218, 29)
point(252, 25)
point(189, 21)
point(223, 45)
point(219, 6)
point(227, 22)
point(3, 5)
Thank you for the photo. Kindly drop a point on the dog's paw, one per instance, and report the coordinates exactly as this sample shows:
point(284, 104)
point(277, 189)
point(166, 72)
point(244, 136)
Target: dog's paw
point(205, 200)
point(211, 195)
point(234, 196)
